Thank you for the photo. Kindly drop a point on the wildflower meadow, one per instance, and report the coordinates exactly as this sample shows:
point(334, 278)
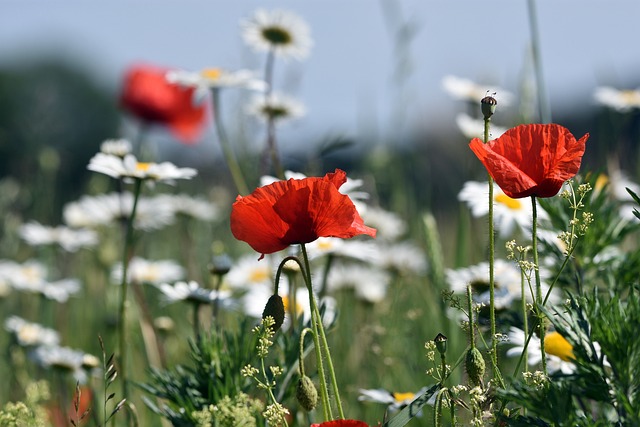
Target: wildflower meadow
point(493, 282)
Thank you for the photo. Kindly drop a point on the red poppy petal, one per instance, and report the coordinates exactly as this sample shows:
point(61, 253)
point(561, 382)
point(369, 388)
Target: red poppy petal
point(341, 423)
point(254, 221)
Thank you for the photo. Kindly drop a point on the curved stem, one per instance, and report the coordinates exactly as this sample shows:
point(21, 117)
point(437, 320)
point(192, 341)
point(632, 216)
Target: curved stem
point(127, 253)
point(229, 156)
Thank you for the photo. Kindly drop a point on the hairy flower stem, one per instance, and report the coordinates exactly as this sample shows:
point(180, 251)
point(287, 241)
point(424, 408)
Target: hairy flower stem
point(320, 340)
point(534, 243)
point(492, 254)
point(525, 324)
point(472, 340)
point(229, 156)
point(122, 320)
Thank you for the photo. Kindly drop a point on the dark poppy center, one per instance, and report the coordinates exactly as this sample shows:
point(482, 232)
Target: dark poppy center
point(275, 112)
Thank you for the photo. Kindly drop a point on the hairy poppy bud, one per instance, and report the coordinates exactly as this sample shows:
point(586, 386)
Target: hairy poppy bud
point(474, 364)
point(275, 309)
point(441, 343)
point(306, 393)
point(488, 106)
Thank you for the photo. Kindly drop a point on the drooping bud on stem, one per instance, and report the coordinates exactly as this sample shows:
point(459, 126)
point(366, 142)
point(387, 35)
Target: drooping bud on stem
point(488, 106)
point(275, 309)
point(306, 393)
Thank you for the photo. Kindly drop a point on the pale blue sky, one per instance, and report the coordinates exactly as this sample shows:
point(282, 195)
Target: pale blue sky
point(346, 83)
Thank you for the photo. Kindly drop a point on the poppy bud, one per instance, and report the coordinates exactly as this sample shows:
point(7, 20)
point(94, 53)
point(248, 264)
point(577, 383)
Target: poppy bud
point(488, 106)
point(306, 393)
point(275, 309)
point(474, 364)
point(441, 343)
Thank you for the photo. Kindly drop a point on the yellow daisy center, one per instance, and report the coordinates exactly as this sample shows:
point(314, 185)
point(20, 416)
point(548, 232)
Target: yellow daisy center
point(287, 302)
point(557, 345)
point(601, 181)
point(508, 202)
point(258, 275)
point(325, 245)
point(211, 73)
point(141, 166)
point(631, 97)
point(401, 397)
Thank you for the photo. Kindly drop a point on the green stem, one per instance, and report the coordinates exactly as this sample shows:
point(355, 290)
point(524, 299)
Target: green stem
point(472, 341)
point(315, 325)
point(534, 243)
point(126, 256)
point(271, 124)
point(525, 320)
point(230, 158)
point(543, 103)
point(492, 251)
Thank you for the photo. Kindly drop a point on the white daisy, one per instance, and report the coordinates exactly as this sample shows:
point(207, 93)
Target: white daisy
point(363, 250)
point(28, 276)
point(191, 291)
point(116, 147)
point(109, 209)
point(507, 280)
point(216, 78)
point(389, 225)
point(130, 167)
point(619, 100)
point(280, 31)
point(60, 290)
point(394, 400)
point(195, 207)
point(248, 272)
point(368, 283)
point(559, 352)
point(36, 234)
point(30, 334)
point(508, 214)
point(63, 359)
point(474, 128)
point(467, 90)
point(141, 270)
point(277, 107)
point(403, 257)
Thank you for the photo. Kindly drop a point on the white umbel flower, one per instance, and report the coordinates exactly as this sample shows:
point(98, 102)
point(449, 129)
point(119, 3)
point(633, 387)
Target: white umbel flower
point(280, 31)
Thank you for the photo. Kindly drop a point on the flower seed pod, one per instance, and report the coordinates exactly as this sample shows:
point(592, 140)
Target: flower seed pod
point(441, 343)
point(474, 364)
point(306, 393)
point(275, 309)
point(488, 106)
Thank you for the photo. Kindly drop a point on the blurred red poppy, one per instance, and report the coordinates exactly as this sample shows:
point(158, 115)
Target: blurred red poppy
point(531, 160)
point(296, 211)
point(148, 95)
point(341, 423)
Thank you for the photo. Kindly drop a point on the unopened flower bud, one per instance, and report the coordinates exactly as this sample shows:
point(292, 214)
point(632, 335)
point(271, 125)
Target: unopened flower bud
point(474, 364)
point(275, 309)
point(441, 343)
point(306, 393)
point(220, 264)
point(488, 106)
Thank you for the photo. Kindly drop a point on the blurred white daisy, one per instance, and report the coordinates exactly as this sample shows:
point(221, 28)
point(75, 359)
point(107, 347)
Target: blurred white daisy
point(60, 290)
point(109, 209)
point(403, 257)
point(559, 352)
point(282, 32)
point(389, 225)
point(508, 214)
point(507, 282)
point(195, 207)
point(277, 107)
point(215, 78)
point(116, 147)
point(363, 250)
point(467, 90)
point(474, 128)
point(31, 276)
point(395, 401)
point(619, 100)
point(248, 272)
point(141, 270)
point(618, 182)
point(36, 234)
point(192, 292)
point(130, 167)
point(29, 334)
point(64, 359)
point(368, 283)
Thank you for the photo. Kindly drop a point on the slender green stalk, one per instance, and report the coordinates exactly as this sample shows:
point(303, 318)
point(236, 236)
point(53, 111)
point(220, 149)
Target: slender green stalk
point(472, 340)
point(534, 243)
point(543, 103)
point(492, 254)
point(126, 256)
point(227, 151)
point(525, 321)
point(271, 123)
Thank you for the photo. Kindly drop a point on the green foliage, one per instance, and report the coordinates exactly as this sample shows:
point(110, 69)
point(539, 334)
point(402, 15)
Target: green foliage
point(29, 413)
point(239, 411)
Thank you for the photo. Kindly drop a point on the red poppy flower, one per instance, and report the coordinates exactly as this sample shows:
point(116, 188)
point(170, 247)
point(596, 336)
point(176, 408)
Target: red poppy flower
point(341, 423)
point(296, 211)
point(148, 95)
point(531, 159)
